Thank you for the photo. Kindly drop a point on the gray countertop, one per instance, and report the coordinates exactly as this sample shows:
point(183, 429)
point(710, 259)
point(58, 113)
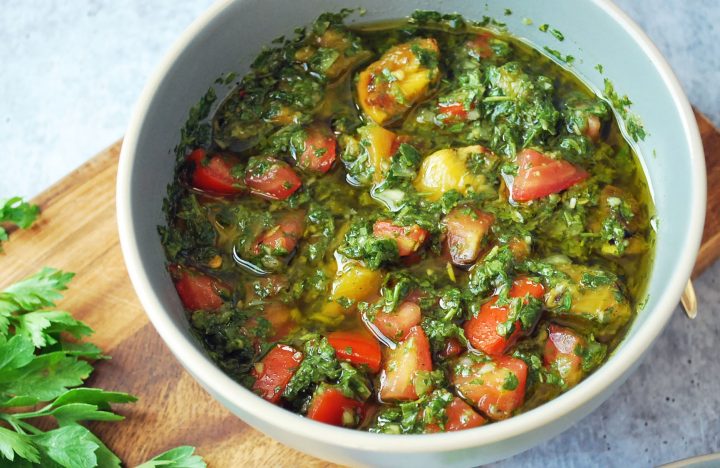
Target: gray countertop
point(71, 72)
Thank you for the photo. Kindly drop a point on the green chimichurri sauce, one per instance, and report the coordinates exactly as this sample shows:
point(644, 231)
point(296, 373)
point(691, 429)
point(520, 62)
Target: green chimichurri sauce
point(408, 227)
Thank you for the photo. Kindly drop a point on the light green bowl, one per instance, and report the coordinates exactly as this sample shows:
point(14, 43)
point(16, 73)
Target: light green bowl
point(230, 34)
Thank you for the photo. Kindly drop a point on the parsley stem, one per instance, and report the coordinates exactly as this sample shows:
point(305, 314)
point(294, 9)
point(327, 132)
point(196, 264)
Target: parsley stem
point(12, 422)
point(29, 427)
point(33, 414)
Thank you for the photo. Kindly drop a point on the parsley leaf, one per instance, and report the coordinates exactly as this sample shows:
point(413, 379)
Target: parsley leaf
point(18, 212)
point(179, 457)
point(14, 443)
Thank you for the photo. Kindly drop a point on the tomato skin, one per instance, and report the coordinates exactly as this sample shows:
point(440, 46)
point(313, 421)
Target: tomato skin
point(357, 348)
point(409, 238)
point(539, 176)
point(282, 238)
point(271, 178)
point(453, 111)
point(466, 228)
point(560, 353)
point(523, 286)
point(452, 348)
point(401, 365)
point(329, 404)
point(397, 324)
point(320, 150)
point(485, 384)
point(481, 330)
point(275, 371)
point(462, 416)
point(480, 46)
point(214, 175)
point(198, 291)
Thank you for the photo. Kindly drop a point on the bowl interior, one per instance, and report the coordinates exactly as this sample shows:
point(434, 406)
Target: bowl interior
point(228, 37)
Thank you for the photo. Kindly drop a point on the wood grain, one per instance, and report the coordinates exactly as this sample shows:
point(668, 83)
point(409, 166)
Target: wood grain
point(77, 232)
point(710, 247)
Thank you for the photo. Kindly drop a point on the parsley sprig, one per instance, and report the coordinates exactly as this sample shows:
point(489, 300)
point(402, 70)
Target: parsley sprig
point(43, 365)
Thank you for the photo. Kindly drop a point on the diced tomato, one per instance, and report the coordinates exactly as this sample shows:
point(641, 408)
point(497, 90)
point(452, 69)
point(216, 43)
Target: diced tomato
point(453, 111)
point(560, 353)
point(357, 347)
point(397, 141)
point(214, 175)
point(409, 238)
point(282, 239)
point(466, 229)
point(594, 125)
point(496, 387)
point(273, 373)
point(320, 149)
point(452, 348)
point(271, 178)
point(480, 46)
point(539, 176)
point(481, 330)
point(198, 291)
point(397, 324)
point(461, 416)
point(523, 286)
point(401, 366)
point(329, 405)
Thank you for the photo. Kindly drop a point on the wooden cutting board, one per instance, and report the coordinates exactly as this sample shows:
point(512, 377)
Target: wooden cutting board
point(77, 232)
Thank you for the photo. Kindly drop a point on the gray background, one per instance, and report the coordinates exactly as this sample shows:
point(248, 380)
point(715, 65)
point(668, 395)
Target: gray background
point(71, 71)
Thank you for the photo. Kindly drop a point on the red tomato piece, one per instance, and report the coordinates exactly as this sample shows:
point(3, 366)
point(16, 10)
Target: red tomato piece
point(198, 291)
point(539, 176)
point(397, 324)
point(271, 178)
point(214, 175)
point(273, 373)
point(466, 229)
point(461, 416)
point(480, 46)
point(496, 387)
point(329, 405)
point(357, 348)
point(397, 141)
point(282, 239)
point(453, 111)
point(560, 353)
point(320, 150)
point(409, 238)
point(523, 286)
point(401, 366)
point(481, 330)
point(452, 348)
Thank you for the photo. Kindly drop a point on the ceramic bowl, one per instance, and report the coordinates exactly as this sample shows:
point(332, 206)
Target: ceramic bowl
point(230, 34)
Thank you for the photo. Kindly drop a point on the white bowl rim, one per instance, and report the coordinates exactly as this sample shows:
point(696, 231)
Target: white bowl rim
point(200, 365)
